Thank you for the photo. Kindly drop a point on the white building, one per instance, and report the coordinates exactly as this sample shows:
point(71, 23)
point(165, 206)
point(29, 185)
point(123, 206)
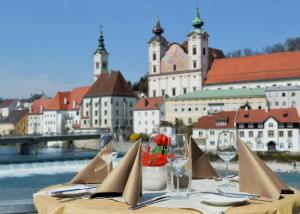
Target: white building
point(269, 130)
point(206, 131)
point(60, 114)
point(284, 96)
point(175, 69)
point(147, 114)
point(108, 104)
point(259, 71)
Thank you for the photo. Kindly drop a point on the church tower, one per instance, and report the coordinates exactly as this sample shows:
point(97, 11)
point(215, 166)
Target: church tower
point(198, 46)
point(100, 58)
point(157, 47)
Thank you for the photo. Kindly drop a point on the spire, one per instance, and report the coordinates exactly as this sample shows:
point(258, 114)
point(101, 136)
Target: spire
point(101, 46)
point(197, 23)
point(157, 30)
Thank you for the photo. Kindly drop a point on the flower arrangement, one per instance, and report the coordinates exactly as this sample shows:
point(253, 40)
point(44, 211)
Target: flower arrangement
point(159, 155)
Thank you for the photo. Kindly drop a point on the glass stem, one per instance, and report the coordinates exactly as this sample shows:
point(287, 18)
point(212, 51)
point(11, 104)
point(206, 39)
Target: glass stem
point(177, 181)
point(226, 170)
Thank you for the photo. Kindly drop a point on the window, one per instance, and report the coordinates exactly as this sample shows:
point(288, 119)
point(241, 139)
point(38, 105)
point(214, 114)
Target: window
point(154, 93)
point(163, 92)
point(283, 94)
point(270, 133)
point(281, 134)
point(271, 125)
point(290, 145)
point(77, 113)
point(290, 133)
point(200, 134)
point(96, 112)
point(189, 109)
point(194, 51)
point(184, 90)
point(293, 103)
point(260, 133)
point(153, 113)
point(281, 145)
point(190, 120)
point(174, 67)
point(117, 103)
point(105, 112)
point(87, 113)
point(152, 122)
point(97, 65)
point(194, 64)
point(146, 113)
point(87, 105)
point(283, 103)
point(293, 94)
point(276, 103)
point(105, 121)
point(182, 109)
point(251, 125)
point(173, 91)
point(105, 103)
point(154, 56)
point(117, 112)
point(96, 122)
point(154, 68)
point(104, 65)
point(212, 143)
point(203, 51)
point(140, 122)
point(212, 132)
point(250, 133)
point(194, 88)
point(175, 109)
point(84, 122)
point(117, 122)
point(241, 133)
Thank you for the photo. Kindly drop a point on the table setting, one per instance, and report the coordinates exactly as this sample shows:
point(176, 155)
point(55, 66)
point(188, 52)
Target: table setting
point(171, 175)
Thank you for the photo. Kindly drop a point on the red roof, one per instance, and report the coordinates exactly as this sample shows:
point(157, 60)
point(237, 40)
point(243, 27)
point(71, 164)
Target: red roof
point(283, 65)
point(150, 103)
point(282, 115)
point(211, 121)
point(68, 100)
point(40, 105)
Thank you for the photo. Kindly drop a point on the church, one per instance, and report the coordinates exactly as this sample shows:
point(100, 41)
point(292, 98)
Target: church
point(175, 69)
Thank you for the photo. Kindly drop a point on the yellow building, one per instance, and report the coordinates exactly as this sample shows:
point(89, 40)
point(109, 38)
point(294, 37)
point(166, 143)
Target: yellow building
point(189, 107)
point(15, 124)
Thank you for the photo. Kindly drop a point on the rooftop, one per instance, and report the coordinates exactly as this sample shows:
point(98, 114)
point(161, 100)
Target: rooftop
point(150, 103)
point(15, 116)
point(264, 67)
point(221, 120)
point(110, 84)
point(221, 94)
point(283, 88)
point(282, 115)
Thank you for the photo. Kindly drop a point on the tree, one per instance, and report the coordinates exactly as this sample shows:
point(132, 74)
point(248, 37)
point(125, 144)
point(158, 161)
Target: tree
point(293, 44)
point(141, 85)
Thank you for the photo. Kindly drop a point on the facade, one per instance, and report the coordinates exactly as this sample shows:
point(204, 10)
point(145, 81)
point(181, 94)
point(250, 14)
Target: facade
point(147, 114)
point(259, 71)
point(284, 96)
point(60, 114)
point(175, 69)
point(206, 130)
point(189, 107)
point(16, 123)
point(269, 130)
point(108, 104)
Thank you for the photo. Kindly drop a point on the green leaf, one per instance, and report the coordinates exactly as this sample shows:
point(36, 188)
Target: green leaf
point(157, 150)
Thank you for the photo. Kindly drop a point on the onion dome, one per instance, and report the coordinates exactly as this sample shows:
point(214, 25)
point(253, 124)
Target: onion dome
point(157, 30)
point(197, 23)
point(101, 46)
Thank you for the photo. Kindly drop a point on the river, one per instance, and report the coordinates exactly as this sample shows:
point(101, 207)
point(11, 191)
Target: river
point(23, 175)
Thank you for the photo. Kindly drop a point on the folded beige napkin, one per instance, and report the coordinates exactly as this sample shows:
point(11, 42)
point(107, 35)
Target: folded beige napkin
point(96, 170)
point(256, 177)
point(198, 162)
point(125, 179)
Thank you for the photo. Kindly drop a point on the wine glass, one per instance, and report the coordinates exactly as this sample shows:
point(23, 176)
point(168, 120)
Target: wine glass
point(178, 149)
point(226, 148)
point(109, 151)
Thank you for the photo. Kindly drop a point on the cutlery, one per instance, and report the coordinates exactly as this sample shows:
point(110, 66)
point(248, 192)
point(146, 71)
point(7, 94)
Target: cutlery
point(150, 201)
point(70, 190)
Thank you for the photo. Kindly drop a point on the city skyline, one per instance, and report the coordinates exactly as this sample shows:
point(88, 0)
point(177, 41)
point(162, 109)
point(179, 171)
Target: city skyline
point(49, 46)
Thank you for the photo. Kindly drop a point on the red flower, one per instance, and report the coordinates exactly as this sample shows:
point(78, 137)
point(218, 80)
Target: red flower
point(162, 140)
point(171, 156)
point(146, 159)
point(160, 160)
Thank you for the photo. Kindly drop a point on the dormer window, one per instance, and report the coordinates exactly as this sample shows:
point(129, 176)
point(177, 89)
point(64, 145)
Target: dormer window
point(221, 122)
point(174, 67)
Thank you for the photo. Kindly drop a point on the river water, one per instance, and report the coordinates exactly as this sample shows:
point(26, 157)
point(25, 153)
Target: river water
point(23, 175)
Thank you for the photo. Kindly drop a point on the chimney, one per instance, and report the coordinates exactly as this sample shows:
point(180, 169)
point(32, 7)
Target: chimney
point(267, 109)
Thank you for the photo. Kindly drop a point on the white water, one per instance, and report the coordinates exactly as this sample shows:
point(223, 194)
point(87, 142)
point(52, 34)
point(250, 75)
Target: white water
point(27, 169)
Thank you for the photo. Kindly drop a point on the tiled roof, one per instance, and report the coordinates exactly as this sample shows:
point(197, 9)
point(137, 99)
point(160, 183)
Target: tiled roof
point(15, 116)
point(7, 103)
point(150, 103)
point(110, 84)
point(221, 94)
point(210, 121)
point(282, 115)
point(40, 105)
point(285, 65)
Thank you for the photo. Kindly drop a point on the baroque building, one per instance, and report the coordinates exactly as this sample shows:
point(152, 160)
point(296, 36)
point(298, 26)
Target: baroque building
point(175, 69)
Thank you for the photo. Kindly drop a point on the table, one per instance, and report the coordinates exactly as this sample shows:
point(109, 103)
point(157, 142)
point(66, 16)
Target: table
point(46, 204)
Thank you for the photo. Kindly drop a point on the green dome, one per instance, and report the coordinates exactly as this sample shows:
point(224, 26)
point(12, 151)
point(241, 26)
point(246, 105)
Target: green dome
point(197, 23)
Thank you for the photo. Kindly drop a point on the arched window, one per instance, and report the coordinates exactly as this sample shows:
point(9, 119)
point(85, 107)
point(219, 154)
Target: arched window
point(194, 51)
point(174, 67)
point(154, 56)
point(104, 65)
point(204, 51)
point(97, 65)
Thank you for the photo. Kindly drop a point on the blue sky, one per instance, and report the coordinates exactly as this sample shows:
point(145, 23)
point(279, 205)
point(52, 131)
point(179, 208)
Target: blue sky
point(48, 45)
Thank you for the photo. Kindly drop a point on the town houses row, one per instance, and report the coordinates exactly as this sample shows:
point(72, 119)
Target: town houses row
point(186, 81)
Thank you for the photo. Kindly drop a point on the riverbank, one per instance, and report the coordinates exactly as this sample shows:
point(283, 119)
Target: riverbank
point(275, 166)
